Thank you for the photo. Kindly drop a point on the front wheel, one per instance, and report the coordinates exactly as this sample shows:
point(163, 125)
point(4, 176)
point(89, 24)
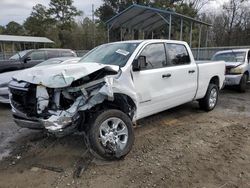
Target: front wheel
point(209, 102)
point(111, 134)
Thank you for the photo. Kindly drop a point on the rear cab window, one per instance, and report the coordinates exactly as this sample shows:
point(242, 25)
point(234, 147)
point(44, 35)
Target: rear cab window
point(177, 54)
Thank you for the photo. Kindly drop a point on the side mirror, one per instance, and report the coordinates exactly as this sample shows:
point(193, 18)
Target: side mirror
point(27, 59)
point(139, 63)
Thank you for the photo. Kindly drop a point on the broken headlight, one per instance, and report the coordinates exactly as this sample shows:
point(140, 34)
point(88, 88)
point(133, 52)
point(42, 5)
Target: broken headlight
point(236, 70)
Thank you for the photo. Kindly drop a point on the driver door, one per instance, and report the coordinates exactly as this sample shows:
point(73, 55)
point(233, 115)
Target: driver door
point(150, 81)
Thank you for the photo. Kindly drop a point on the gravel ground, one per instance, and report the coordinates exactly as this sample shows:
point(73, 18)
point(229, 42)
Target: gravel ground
point(181, 147)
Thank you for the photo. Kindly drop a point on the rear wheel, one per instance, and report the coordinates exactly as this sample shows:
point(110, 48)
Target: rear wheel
point(209, 102)
point(243, 83)
point(111, 134)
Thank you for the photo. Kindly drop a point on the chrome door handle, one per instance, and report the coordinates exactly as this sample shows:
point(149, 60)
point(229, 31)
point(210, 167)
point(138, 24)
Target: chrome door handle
point(166, 75)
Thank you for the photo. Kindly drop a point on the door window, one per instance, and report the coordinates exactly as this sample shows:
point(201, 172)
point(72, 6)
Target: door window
point(53, 53)
point(177, 54)
point(39, 55)
point(155, 56)
point(67, 54)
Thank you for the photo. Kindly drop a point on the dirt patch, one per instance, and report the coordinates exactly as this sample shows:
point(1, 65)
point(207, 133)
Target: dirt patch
point(182, 147)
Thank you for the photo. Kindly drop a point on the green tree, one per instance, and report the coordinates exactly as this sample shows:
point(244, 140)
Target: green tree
point(14, 28)
point(64, 13)
point(39, 21)
point(2, 29)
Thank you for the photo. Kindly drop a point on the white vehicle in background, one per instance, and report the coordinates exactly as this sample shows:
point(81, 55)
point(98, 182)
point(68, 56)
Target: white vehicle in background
point(6, 77)
point(112, 86)
point(237, 67)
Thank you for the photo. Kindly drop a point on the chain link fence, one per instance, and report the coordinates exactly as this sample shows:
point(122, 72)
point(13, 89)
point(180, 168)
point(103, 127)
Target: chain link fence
point(199, 54)
point(207, 53)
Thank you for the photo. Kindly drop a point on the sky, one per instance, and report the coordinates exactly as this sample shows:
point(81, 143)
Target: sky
point(19, 10)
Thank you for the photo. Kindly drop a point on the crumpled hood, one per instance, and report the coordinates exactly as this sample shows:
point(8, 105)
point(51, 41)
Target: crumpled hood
point(59, 76)
point(233, 64)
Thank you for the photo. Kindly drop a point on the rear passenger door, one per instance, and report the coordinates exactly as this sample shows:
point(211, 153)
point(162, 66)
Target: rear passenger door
point(182, 85)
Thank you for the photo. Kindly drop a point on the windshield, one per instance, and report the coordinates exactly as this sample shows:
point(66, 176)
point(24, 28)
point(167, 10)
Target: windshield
point(19, 55)
point(230, 57)
point(112, 54)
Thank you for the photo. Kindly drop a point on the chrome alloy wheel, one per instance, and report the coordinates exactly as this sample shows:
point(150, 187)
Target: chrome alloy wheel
point(213, 98)
point(114, 131)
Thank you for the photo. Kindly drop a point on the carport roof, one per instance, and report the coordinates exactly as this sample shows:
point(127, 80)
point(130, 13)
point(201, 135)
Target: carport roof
point(13, 38)
point(146, 18)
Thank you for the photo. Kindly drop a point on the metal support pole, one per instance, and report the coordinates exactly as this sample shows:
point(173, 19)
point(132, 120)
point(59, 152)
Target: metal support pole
point(191, 35)
point(143, 35)
point(181, 29)
point(199, 46)
point(108, 32)
point(93, 20)
point(200, 27)
point(207, 37)
point(4, 55)
point(133, 34)
point(170, 27)
point(121, 34)
point(13, 47)
point(152, 35)
point(1, 45)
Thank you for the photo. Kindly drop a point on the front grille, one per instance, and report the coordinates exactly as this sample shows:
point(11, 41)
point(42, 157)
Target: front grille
point(24, 98)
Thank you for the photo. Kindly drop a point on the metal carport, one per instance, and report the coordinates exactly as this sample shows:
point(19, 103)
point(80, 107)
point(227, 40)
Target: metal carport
point(148, 19)
point(8, 43)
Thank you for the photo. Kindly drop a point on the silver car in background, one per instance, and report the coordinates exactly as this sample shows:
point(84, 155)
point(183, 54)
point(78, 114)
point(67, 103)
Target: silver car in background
point(237, 67)
point(6, 77)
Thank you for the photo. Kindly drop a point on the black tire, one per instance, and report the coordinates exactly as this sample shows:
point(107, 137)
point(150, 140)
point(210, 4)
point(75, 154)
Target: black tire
point(204, 102)
point(243, 84)
point(94, 135)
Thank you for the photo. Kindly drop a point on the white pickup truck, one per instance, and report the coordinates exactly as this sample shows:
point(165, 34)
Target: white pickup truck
point(112, 87)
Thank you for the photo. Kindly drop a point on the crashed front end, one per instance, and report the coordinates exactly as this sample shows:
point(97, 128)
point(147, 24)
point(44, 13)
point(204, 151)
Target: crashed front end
point(59, 110)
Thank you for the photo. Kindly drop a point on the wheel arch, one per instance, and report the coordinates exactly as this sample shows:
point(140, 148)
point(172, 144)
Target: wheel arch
point(121, 102)
point(247, 73)
point(215, 80)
